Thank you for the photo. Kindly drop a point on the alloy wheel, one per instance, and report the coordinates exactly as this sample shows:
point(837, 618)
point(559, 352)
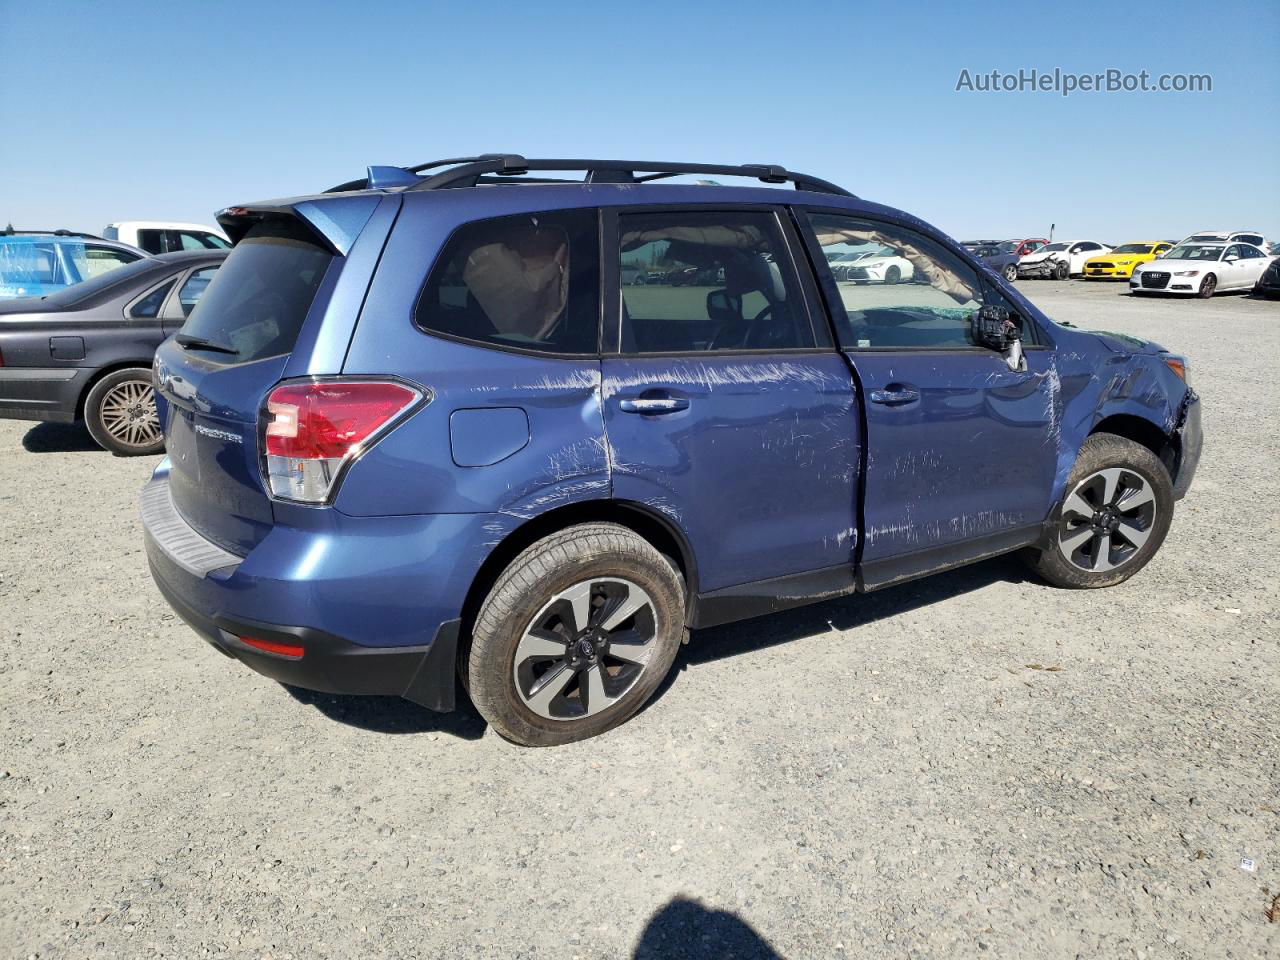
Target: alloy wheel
point(1107, 519)
point(585, 648)
point(128, 413)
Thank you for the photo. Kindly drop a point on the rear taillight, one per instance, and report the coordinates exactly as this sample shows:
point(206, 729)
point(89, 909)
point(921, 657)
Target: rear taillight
point(314, 430)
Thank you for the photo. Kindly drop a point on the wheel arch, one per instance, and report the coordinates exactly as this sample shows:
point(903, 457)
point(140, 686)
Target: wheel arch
point(656, 528)
point(1142, 431)
point(105, 371)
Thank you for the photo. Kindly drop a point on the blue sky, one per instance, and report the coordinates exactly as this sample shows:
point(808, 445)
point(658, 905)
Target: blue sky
point(172, 110)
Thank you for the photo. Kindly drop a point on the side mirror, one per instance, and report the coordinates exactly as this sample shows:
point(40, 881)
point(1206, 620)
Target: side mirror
point(994, 327)
point(724, 307)
point(1231, 259)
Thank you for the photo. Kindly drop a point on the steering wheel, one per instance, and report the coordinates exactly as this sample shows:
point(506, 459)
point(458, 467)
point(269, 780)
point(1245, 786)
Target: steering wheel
point(717, 340)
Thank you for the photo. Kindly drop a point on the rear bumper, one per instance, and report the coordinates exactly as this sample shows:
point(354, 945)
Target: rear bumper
point(327, 663)
point(41, 393)
point(1190, 440)
point(370, 605)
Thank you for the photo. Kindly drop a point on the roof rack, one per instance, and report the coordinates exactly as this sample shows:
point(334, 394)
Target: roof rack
point(492, 167)
point(14, 232)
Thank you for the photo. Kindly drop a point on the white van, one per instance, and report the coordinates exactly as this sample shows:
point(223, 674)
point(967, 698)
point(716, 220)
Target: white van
point(158, 236)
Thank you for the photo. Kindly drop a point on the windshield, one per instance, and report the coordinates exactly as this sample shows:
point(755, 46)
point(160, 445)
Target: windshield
point(1133, 248)
point(1195, 251)
point(256, 302)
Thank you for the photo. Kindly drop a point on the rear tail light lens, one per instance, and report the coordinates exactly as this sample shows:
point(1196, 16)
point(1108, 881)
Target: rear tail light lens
point(313, 430)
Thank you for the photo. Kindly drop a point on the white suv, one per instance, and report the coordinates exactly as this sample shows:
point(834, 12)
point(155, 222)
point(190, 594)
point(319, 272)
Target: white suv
point(159, 236)
point(1254, 237)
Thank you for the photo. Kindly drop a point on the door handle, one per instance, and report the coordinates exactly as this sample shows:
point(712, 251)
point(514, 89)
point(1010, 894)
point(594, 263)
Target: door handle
point(653, 405)
point(895, 396)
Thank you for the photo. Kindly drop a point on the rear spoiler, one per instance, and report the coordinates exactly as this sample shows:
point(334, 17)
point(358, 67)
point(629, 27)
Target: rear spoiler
point(335, 221)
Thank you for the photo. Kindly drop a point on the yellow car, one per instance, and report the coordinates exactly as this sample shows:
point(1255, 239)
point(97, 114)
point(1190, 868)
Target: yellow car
point(1119, 262)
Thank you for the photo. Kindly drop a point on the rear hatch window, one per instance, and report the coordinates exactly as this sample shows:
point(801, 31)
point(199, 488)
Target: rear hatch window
point(255, 304)
point(232, 349)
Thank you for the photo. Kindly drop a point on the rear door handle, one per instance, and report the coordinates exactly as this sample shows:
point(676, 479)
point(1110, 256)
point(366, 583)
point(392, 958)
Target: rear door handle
point(653, 405)
point(895, 395)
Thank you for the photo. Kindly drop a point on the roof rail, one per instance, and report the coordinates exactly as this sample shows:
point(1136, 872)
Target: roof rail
point(469, 171)
point(14, 232)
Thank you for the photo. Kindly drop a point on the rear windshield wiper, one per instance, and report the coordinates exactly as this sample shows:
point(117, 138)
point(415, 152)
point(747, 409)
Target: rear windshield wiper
point(200, 343)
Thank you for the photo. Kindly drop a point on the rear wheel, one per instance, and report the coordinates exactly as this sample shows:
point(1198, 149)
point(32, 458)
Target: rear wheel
point(120, 412)
point(1115, 516)
point(1207, 286)
point(1011, 273)
point(575, 636)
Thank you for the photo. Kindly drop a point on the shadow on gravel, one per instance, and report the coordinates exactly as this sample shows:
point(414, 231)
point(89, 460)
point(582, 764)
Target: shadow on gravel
point(393, 715)
point(845, 613)
point(686, 930)
point(59, 438)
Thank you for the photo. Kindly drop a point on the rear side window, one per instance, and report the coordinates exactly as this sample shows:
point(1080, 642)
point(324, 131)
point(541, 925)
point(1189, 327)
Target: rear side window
point(528, 282)
point(258, 298)
point(696, 282)
point(151, 241)
point(149, 306)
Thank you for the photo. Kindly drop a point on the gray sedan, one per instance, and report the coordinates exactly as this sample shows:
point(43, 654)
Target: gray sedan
point(85, 353)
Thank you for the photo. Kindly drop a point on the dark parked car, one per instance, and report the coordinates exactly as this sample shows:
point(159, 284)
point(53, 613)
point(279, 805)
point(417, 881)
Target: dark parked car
point(419, 429)
point(86, 351)
point(1268, 284)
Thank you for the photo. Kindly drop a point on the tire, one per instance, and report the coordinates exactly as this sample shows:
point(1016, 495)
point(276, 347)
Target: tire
point(1011, 273)
point(536, 689)
point(120, 412)
point(1063, 272)
point(1092, 544)
point(1207, 286)
point(892, 275)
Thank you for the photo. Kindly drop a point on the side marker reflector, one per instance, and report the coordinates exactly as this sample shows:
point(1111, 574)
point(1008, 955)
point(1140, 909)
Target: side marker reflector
point(291, 650)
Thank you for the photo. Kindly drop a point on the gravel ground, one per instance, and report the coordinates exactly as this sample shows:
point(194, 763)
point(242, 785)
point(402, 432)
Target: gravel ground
point(974, 765)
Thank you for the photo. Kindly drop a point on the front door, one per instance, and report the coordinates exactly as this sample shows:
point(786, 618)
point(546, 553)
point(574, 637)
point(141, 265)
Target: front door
point(725, 409)
point(961, 451)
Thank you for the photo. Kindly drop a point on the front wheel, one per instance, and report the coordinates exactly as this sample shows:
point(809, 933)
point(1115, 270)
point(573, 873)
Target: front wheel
point(1207, 286)
point(892, 275)
point(1116, 514)
point(120, 412)
point(1064, 271)
point(575, 636)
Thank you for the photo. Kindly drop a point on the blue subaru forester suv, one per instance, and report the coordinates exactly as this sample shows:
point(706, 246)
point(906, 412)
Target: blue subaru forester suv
point(426, 431)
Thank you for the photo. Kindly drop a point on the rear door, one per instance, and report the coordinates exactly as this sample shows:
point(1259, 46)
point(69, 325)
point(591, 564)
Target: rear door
point(960, 449)
point(725, 407)
point(237, 344)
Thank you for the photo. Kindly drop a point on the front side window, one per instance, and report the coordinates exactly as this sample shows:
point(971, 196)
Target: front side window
point(528, 282)
point(708, 281)
point(910, 293)
point(198, 240)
